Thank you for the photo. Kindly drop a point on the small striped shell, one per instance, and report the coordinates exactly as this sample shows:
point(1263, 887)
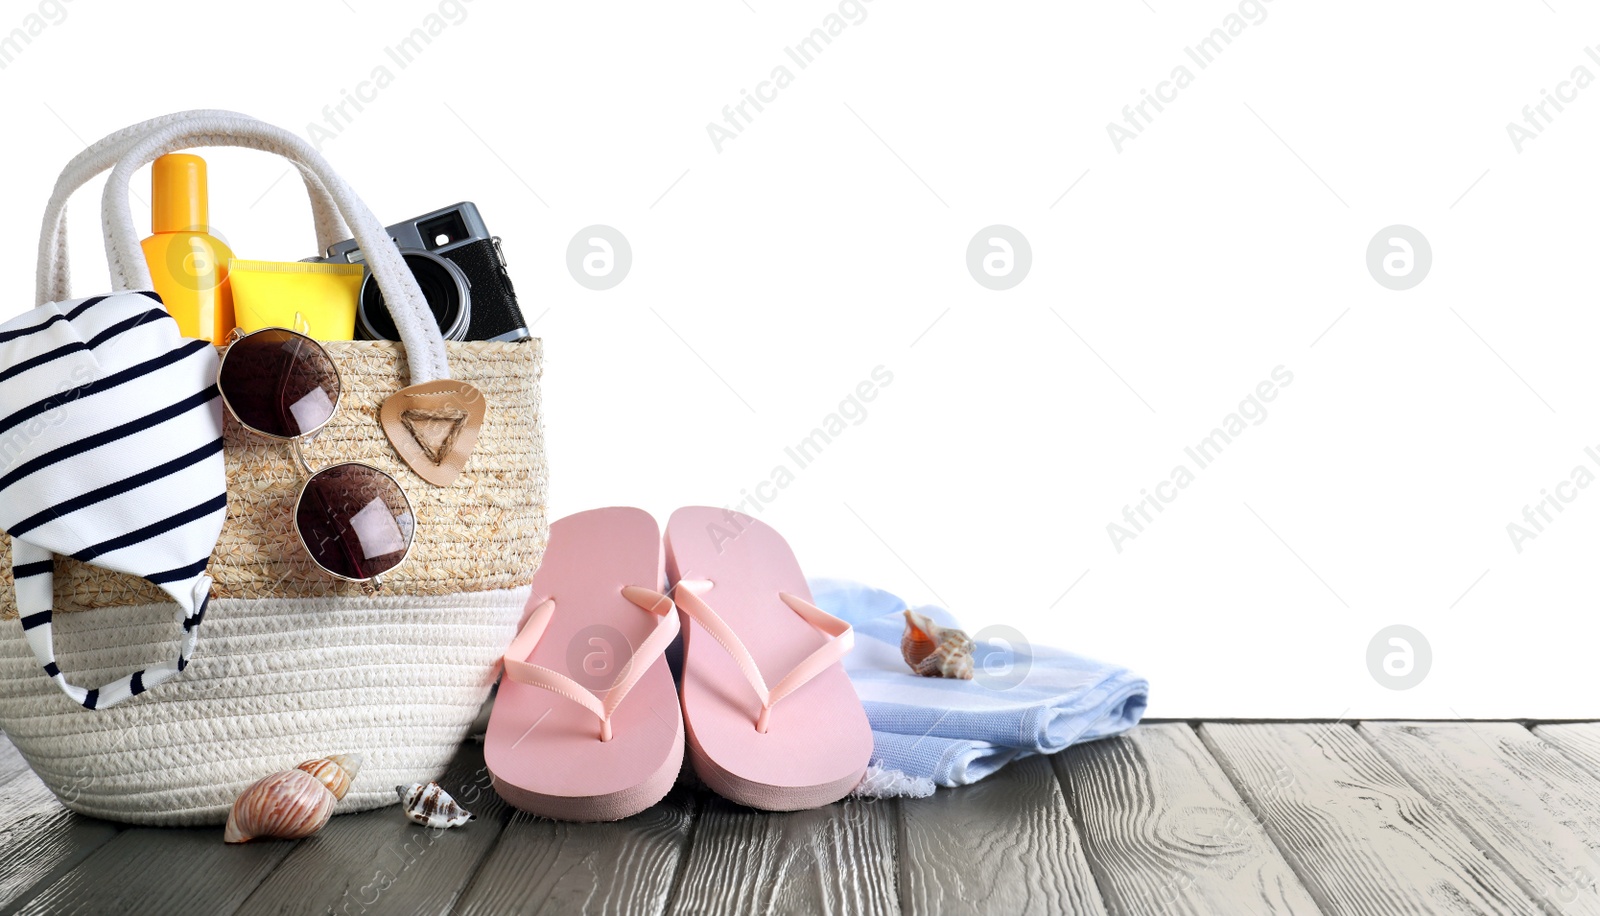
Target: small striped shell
point(288, 805)
point(336, 772)
point(431, 806)
point(935, 651)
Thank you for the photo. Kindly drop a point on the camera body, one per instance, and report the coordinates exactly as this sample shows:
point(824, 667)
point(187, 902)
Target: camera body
point(461, 270)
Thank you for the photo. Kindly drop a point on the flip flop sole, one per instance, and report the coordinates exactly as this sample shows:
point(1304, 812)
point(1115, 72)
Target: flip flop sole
point(543, 750)
point(735, 788)
point(613, 806)
point(818, 741)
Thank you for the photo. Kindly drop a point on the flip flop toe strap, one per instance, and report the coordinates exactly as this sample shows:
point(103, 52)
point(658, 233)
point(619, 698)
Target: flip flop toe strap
point(841, 640)
point(524, 672)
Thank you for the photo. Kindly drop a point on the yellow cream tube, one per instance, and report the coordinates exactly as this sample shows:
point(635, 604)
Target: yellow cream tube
point(318, 300)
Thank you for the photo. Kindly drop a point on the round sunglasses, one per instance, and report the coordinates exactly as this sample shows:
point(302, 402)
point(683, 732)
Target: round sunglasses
point(355, 521)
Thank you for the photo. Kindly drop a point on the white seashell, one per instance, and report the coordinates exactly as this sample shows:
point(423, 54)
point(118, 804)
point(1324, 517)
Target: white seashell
point(287, 805)
point(935, 651)
point(431, 806)
point(335, 772)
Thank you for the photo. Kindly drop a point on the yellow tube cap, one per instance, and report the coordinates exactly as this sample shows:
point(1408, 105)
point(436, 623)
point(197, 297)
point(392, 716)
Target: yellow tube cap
point(178, 194)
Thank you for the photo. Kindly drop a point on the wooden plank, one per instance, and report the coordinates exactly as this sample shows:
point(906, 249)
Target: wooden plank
point(1580, 741)
point(1166, 832)
point(1359, 836)
point(542, 866)
point(1006, 845)
point(1536, 811)
point(378, 862)
point(836, 859)
point(163, 872)
point(41, 839)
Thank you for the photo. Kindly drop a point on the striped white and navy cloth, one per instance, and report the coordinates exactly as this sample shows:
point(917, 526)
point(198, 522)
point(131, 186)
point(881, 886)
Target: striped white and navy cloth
point(110, 453)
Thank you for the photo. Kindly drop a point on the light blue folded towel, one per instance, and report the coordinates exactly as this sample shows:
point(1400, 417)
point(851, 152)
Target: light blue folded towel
point(1023, 699)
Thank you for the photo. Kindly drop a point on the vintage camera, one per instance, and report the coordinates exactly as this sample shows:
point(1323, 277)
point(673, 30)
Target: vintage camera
point(461, 270)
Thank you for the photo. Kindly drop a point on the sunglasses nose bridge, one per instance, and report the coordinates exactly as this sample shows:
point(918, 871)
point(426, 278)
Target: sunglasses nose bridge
point(298, 444)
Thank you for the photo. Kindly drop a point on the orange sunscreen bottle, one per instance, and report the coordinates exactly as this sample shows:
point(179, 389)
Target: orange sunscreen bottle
point(189, 265)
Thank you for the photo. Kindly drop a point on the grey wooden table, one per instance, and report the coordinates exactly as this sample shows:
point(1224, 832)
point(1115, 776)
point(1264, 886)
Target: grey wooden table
point(1370, 818)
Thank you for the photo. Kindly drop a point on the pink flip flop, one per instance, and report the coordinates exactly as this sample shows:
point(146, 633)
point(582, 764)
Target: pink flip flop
point(748, 621)
point(586, 725)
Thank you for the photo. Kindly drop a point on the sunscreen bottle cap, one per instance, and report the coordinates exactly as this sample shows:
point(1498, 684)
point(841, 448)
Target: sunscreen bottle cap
point(178, 194)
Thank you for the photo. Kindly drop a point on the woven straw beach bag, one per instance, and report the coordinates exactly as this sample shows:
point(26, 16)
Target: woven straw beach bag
point(291, 664)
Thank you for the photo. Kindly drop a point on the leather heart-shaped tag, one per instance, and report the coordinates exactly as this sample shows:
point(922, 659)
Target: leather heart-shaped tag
point(434, 427)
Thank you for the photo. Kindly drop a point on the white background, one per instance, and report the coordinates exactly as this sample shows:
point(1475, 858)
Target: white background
point(829, 238)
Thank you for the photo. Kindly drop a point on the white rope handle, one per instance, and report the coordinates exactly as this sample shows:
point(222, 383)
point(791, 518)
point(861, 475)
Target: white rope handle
point(419, 330)
point(54, 280)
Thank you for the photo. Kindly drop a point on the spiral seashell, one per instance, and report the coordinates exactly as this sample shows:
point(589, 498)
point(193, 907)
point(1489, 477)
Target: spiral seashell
point(935, 651)
point(335, 772)
point(287, 805)
point(431, 806)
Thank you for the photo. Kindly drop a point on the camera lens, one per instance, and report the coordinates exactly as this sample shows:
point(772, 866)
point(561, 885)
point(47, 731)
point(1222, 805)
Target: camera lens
point(443, 285)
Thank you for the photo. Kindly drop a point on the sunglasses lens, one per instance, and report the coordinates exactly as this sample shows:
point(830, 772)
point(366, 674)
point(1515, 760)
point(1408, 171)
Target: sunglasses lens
point(355, 521)
point(279, 383)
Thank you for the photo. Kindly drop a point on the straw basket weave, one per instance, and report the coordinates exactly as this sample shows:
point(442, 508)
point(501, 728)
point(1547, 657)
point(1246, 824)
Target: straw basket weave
point(291, 664)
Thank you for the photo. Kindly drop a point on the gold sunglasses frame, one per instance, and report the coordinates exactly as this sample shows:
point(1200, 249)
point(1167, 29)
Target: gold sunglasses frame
point(370, 584)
